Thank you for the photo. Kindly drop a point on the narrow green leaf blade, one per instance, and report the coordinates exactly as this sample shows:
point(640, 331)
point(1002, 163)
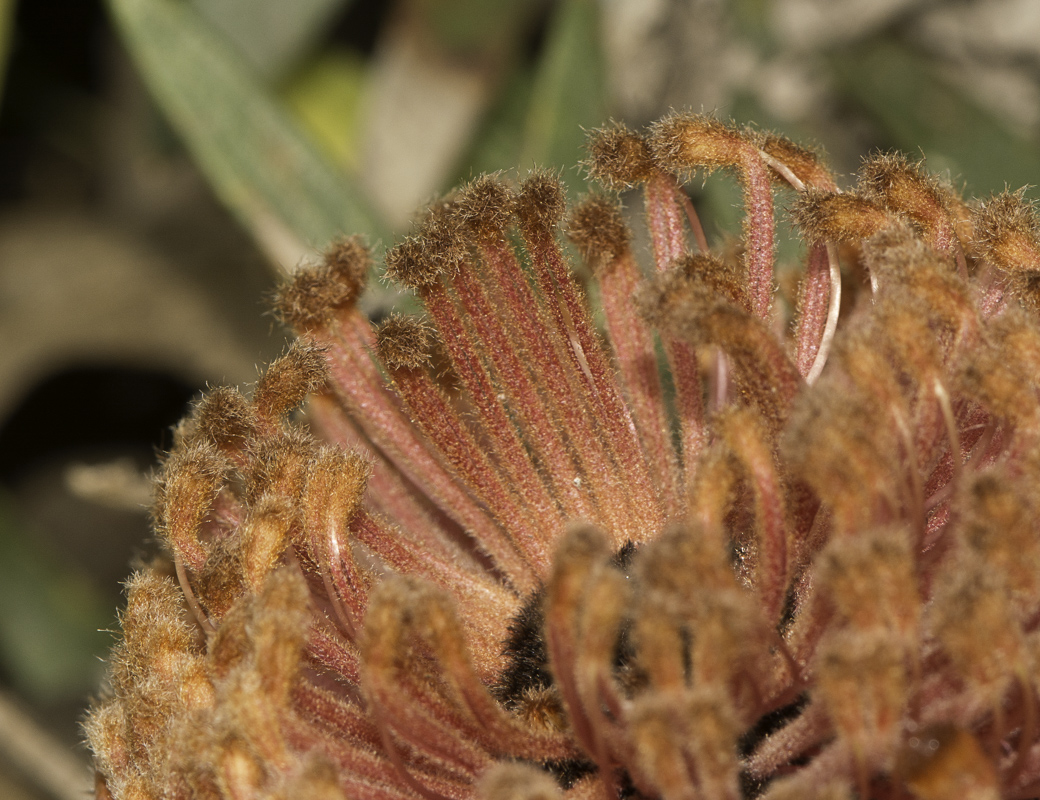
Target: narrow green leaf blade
point(260, 164)
point(570, 89)
point(272, 35)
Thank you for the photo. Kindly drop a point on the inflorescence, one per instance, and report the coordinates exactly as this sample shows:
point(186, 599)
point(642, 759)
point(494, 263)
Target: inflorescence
point(699, 551)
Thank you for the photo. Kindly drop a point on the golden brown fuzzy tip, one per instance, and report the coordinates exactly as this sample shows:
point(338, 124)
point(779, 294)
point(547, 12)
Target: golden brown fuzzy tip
point(316, 293)
point(319, 780)
point(851, 569)
point(512, 781)
point(597, 229)
point(891, 180)
point(715, 726)
point(923, 306)
point(336, 483)
point(696, 727)
point(229, 646)
point(157, 675)
point(541, 202)
point(265, 537)
point(997, 526)
point(443, 231)
point(151, 599)
point(542, 709)
point(280, 625)
point(580, 548)
point(684, 141)
point(309, 299)
point(218, 584)
point(1007, 232)
point(438, 248)
point(899, 253)
point(350, 260)
point(404, 342)
point(885, 173)
point(665, 567)
point(403, 609)
point(863, 684)
point(838, 217)
point(947, 761)
point(223, 417)
point(484, 206)
point(796, 788)
point(920, 283)
point(1002, 371)
point(260, 632)
point(302, 370)
point(279, 465)
point(408, 264)
point(618, 158)
point(694, 285)
point(668, 295)
point(833, 441)
point(187, 485)
point(807, 165)
point(974, 622)
point(724, 279)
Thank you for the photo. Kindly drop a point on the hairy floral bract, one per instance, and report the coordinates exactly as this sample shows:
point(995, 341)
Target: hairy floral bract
point(699, 539)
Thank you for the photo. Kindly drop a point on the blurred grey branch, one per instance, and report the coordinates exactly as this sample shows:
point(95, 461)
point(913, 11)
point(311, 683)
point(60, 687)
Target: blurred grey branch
point(40, 758)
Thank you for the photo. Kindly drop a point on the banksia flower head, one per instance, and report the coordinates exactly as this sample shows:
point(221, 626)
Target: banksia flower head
point(701, 551)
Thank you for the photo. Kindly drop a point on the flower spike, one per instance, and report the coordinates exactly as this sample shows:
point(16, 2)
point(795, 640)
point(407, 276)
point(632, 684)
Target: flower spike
point(621, 538)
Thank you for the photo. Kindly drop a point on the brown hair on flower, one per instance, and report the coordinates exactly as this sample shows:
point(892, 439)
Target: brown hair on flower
point(701, 552)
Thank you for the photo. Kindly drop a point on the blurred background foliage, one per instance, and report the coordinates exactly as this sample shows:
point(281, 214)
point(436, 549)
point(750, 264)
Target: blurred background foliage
point(163, 162)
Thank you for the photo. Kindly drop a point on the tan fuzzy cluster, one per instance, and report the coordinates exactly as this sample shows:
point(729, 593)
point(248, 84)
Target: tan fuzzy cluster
point(541, 202)
point(805, 164)
point(193, 718)
point(483, 207)
point(598, 230)
point(438, 250)
point(315, 296)
point(619, 158)
point(839, 217)
point(1007, 235)
point(678, 546)
point(690, 141)
point(303, 370)
point(904, 187)
point(403, 343)
point(1008, 232)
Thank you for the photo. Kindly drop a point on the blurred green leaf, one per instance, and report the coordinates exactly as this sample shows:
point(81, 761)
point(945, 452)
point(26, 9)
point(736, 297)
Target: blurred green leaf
point(752, 19)
point(260, 164)
point(569, 91)
point(7, 8)
point(500, 139)
point(50, 617)
point(325, 95)
point(920, 112)
point(477, 26)
point(272, 35)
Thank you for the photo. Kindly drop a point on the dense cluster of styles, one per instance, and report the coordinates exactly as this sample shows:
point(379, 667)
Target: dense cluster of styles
point(720, 541)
